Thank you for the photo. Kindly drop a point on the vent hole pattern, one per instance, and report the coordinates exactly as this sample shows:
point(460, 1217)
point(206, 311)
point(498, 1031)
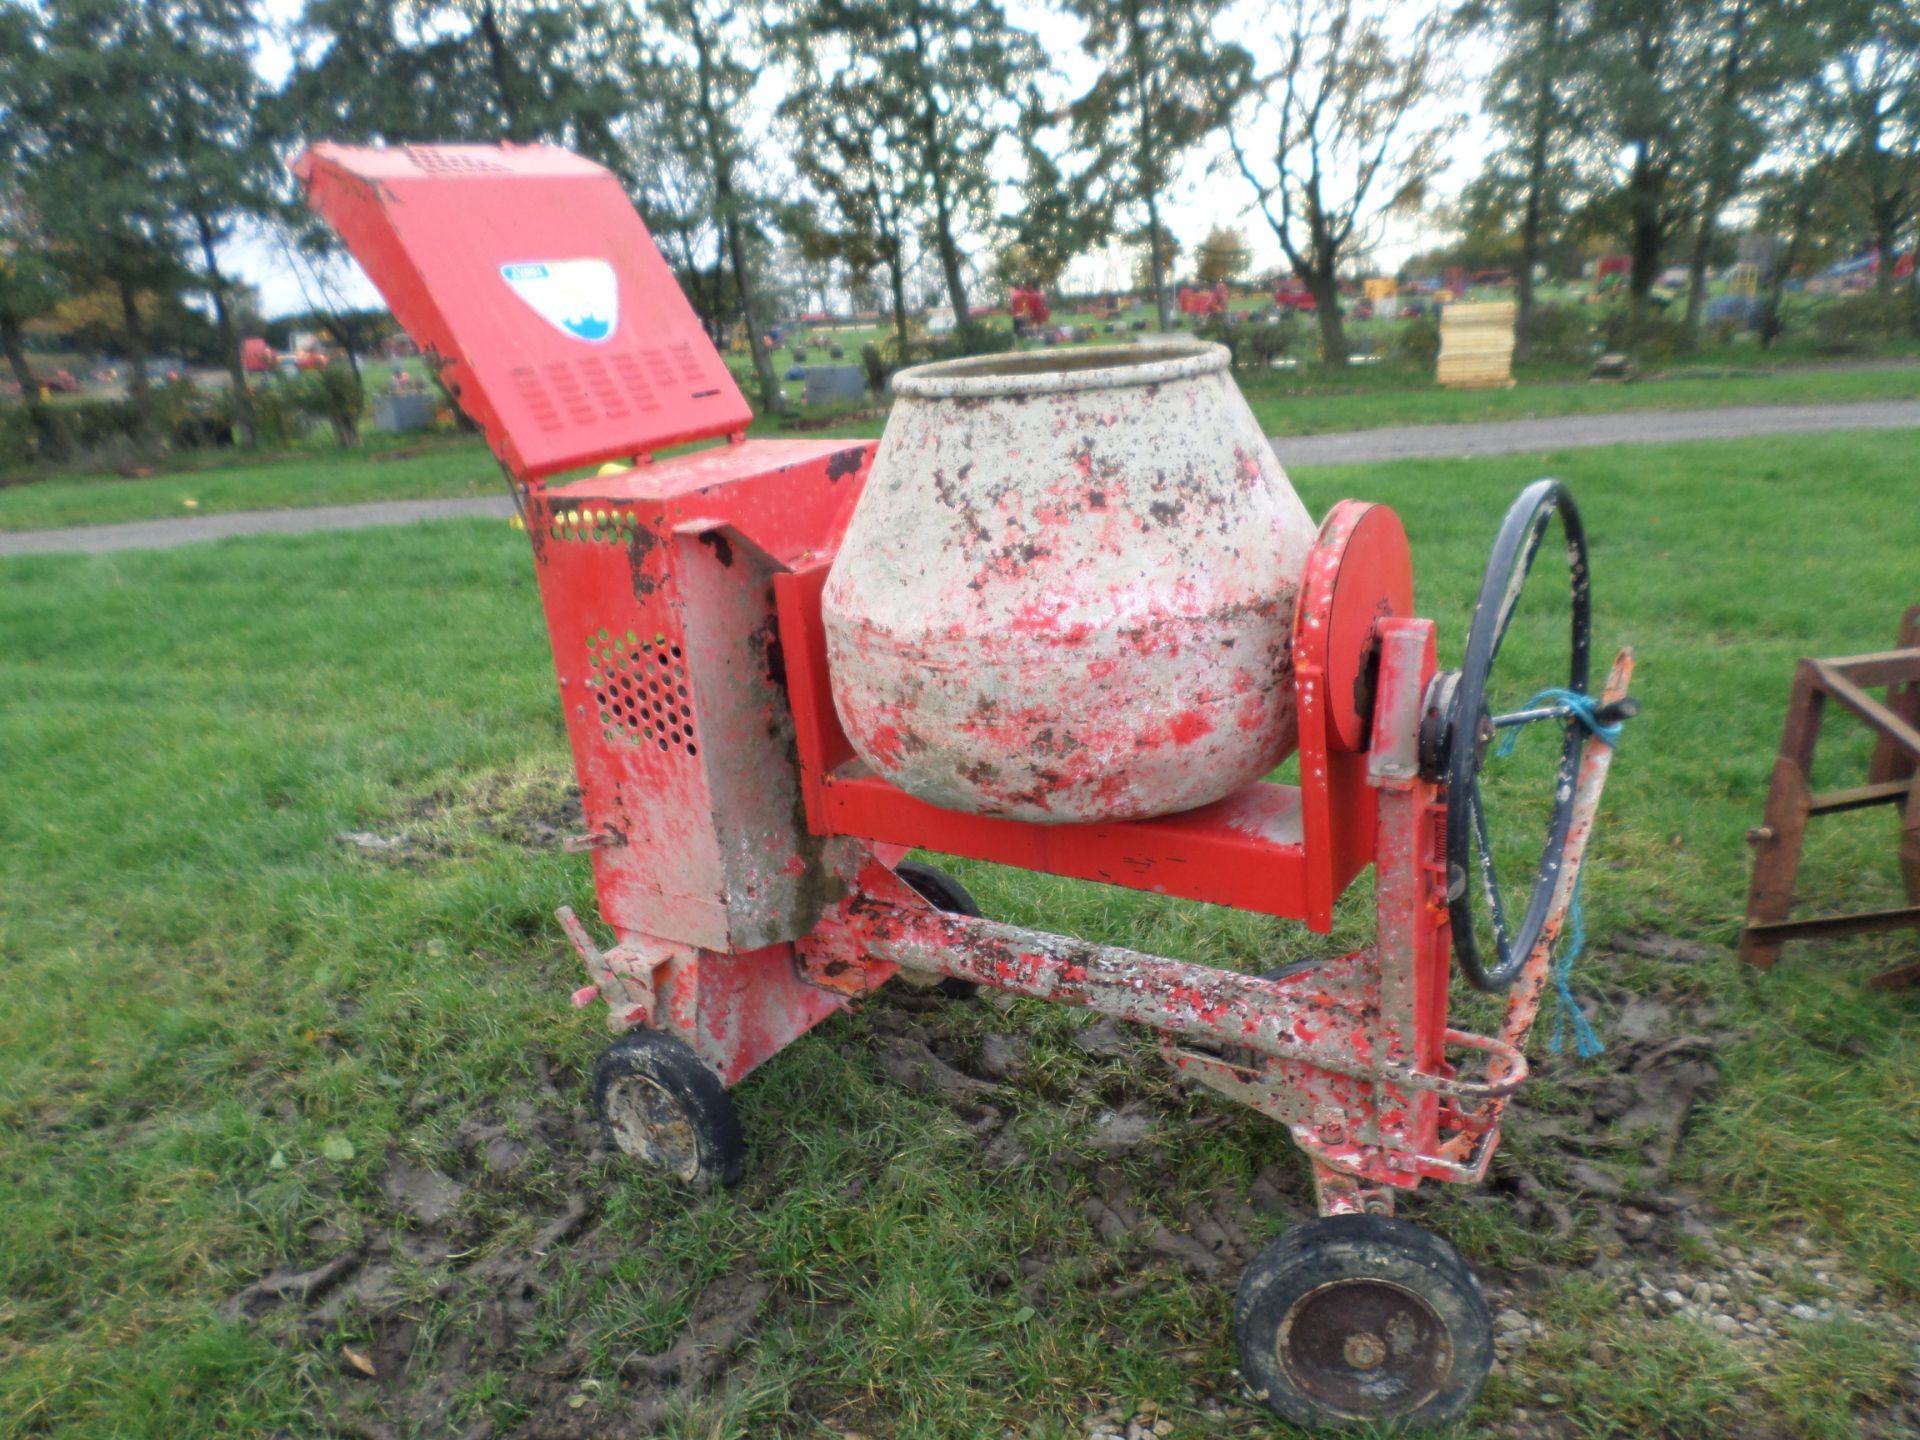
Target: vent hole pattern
point(660, 365)
point(539, 403)
point(639, 686)
point(607, 527)
point(689, 363)
point(627, 368)
point(572, 394)
point(436, 161)
point(591, 390)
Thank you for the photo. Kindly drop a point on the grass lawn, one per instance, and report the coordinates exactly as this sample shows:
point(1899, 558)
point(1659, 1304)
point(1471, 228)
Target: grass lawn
point(1310, 405)
point(1312, 401)
point(1286, 403)
point(236, 1045)
point(433, 468)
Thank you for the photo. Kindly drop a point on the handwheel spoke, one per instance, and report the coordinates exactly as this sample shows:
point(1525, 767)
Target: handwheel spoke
point(1517, 581)
point(1489, 881)
point(1557, 711)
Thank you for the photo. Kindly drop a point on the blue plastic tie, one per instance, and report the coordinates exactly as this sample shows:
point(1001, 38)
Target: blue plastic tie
point(1583, 708)
point(1568, 1013)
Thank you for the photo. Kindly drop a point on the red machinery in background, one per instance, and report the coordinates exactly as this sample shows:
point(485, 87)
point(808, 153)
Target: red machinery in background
point(1290, 293)
point(1204, 304)
point(751, 867)
point(1028, 306)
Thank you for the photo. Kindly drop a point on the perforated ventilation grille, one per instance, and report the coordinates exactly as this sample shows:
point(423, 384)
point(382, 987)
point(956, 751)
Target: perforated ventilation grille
point(641, 688)
point(594, 524)
point(454, 162)
point(586, 391)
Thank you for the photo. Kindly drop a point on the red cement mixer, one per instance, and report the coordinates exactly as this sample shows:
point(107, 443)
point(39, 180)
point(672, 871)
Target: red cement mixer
point(1067, 616)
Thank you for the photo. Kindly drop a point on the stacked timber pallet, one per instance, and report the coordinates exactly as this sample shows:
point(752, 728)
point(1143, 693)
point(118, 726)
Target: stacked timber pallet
point(1476, 346)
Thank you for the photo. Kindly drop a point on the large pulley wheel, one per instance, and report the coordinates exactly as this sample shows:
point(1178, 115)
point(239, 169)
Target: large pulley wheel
point(1496, 928)
point(663, 1107)
point(1354, 1320)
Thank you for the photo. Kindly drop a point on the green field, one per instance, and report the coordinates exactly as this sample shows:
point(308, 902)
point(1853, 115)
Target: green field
point(235, 1042)
point(436, 469)
point(1306, 402)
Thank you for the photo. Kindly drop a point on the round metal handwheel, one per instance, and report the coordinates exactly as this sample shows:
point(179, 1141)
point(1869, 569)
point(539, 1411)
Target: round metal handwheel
point(1356, 1319)
point(1462, 725)
point(665, 1108)
point(943, 892)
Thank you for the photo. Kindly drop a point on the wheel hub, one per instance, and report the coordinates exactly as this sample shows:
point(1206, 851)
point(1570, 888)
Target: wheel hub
point(1365, 1348)
point(1364, 1351)
point(651, 1125)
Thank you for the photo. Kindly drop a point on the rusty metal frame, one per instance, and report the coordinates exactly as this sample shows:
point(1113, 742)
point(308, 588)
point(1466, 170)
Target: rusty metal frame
point(1893, 778)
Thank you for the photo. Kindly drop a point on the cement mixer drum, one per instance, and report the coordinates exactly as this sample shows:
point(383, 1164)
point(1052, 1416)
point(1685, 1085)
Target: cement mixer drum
point(1067, 592)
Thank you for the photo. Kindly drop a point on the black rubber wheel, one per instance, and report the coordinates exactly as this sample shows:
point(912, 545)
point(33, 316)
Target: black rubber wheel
point(661, 1105)
point(1470, 731)
point(1358, 1319)
point(943, 892)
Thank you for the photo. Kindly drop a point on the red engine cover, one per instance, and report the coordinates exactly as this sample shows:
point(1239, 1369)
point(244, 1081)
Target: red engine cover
point(526, 275)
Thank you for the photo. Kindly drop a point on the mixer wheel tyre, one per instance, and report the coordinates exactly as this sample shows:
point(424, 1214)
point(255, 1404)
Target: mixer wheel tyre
point(943, 892)
point(665, 1108)
point(1354, 1320)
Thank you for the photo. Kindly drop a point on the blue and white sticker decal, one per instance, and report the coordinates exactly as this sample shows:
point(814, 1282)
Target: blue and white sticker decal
point(580, 298)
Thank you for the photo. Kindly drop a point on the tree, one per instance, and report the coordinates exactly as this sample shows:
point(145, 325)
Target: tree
point(1870, 99)
point(88, 137)
point(1164, 83)
point(714, 48)
point(1794, 199)
point(433, 71)
point(213, 165)
point(1223, 256)
point(1056, 222)
point(1746, 50)
point(1529, 96)
point(933, 73)
point(140, 145)
point(854, 158)
point(312, 259)
point(1159, 252)
point(1353, 137)
point(30, 286)
point(1648, 76)
point(669, 181)
point(1678, 100)
point(815, 250)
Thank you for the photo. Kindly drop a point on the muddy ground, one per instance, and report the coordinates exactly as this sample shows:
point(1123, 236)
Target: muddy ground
point(484, 1237)
point(1615, 1132)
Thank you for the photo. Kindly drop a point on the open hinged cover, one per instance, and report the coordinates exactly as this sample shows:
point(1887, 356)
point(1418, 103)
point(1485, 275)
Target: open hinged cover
point(525, 274)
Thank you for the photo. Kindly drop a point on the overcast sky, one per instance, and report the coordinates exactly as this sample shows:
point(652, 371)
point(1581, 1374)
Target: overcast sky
point(1205, 193)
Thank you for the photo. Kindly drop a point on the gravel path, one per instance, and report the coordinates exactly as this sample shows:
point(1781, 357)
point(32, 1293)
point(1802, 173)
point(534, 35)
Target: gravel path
point(1405, 442)
point(1568, 432)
